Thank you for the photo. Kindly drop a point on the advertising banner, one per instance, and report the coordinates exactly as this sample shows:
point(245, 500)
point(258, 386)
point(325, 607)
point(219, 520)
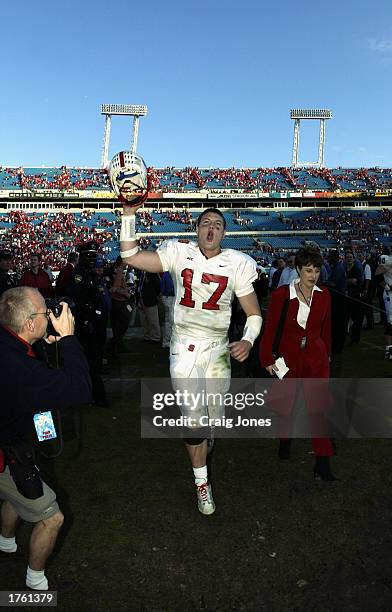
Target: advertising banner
point(232, 196)
point(194, 195)
point(100, 195)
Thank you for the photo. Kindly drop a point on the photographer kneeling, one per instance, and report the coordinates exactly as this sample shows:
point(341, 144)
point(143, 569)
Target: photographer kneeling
point(28, 386)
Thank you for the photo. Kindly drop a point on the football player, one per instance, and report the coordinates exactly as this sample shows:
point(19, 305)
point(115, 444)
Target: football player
point(206, 278)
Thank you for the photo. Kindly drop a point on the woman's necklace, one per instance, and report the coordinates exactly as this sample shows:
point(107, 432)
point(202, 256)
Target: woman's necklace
point(307, 300)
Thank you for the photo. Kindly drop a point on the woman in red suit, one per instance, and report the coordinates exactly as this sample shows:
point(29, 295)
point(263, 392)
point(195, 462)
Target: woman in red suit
point(305, 346)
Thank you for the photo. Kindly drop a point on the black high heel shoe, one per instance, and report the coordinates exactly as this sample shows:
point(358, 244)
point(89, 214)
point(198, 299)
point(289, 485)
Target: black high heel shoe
point(284, 450)
point(322, 470)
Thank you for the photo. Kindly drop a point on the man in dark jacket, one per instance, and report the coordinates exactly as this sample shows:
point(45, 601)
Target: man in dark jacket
point(91, 316)
point(28, 386)
point(65, 275)
point(150, 289)
point(6, 280)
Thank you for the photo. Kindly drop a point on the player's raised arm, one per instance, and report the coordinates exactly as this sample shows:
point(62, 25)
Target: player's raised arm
point(128, 176)
point(129, 247)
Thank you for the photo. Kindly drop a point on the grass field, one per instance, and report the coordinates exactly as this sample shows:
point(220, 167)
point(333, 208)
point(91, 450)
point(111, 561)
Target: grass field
point(134, 540)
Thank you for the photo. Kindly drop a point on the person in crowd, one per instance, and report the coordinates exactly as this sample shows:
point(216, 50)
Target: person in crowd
point(272, 270)
point(354, 308)
point(367, 291)
point(23, 321)
point(289, 273)
point(205, 278)
point(6, 280)
point(121, 310)
point(90, 316)
point(385, 269)
point(305, 344)
point(337, 284)
point(66, 274)
point(36, 277)
point(380, 282)
point(49, 272)
point(167, 297)
point(261, 284)
point(103, 281)
point(280, 263)
point(149, 291)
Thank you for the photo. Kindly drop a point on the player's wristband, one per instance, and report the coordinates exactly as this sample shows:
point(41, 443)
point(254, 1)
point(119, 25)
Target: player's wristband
point(252, 328)
point(130, 252)
point(128, 228)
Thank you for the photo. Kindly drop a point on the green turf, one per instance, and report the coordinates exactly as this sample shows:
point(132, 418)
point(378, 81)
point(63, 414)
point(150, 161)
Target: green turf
point(134, 540)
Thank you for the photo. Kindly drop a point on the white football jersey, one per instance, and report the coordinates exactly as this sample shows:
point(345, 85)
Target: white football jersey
point(204, 288)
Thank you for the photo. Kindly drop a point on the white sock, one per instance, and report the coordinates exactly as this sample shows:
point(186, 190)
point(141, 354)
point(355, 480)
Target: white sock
point(201, 475)
point(36, 579)
point(7, 544)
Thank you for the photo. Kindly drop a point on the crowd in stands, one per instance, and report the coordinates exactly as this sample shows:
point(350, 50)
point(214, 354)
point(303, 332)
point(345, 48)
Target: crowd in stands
point(177, 179)
point(55, 233)
point(62, 179)
point(359, 225)
point(269, 179)
point(146, 220)
point(193, 178)
point(51, 233)
point(238, 220)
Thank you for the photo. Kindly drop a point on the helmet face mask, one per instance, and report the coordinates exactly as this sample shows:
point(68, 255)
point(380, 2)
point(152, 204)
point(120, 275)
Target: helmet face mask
point(128, 176)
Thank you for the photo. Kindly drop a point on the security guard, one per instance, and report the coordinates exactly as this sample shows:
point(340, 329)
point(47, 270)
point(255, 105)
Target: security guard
point(90, 315)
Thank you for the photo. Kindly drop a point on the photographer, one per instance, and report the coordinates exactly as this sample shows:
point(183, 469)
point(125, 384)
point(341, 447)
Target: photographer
point(28, 386)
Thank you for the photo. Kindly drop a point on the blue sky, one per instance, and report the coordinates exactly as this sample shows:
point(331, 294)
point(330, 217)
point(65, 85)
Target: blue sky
point(219, 79)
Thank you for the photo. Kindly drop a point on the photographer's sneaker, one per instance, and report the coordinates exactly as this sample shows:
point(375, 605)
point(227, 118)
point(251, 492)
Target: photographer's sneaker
point(205, 501)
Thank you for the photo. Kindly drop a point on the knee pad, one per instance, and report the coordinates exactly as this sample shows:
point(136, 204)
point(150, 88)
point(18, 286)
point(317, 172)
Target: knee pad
point(194, 441)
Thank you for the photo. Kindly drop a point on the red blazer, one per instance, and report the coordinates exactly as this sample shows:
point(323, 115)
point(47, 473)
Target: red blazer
point(311, 361)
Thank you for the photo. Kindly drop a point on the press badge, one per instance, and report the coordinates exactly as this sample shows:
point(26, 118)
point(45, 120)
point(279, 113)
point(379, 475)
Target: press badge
point(44, 426)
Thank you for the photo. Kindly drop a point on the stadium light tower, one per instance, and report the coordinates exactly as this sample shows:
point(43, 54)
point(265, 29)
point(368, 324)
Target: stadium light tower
point(134, 110)
point(298, 114)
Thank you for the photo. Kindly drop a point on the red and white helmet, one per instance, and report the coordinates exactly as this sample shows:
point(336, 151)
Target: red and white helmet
point(128, 171)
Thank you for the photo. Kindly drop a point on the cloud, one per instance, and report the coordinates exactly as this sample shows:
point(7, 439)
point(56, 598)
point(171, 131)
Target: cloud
point(381, 46)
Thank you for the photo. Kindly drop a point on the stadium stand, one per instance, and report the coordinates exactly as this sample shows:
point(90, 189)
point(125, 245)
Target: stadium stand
point(53, 178)
point(194, 179)
point(264, 235)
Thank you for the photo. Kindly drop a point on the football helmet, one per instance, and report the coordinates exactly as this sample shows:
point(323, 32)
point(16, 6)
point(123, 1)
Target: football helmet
point(128, 176)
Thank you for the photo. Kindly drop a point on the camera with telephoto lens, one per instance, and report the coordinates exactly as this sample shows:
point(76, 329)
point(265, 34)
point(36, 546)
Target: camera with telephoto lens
point(56, 307)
